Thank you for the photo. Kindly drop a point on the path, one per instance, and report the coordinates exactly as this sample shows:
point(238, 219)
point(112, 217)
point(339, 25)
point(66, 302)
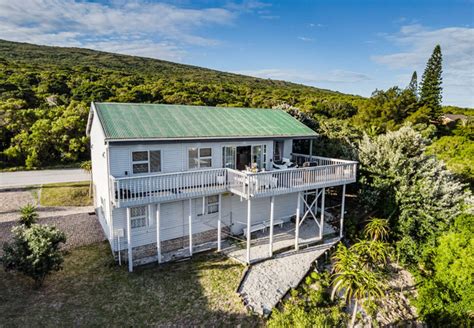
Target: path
point(267, 282)
point(32, 178)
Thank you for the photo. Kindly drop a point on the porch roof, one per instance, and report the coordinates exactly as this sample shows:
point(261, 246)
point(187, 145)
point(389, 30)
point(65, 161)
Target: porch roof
point(128, 121)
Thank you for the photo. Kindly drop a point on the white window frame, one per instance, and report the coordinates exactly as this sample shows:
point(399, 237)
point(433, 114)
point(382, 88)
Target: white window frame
point(209, 204)
point(148, 162)
point(200, 158)
point(139, 217)
point(263, 155)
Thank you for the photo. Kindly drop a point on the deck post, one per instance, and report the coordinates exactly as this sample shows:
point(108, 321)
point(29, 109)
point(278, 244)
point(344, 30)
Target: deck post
point(310, 149)
point(129, 240)
point(249, 233)
point(342, 209)
point(297, 222)
point(158, 238)
point(190, 220)
point(272, 214)
point(321, 223)
point(219, 219)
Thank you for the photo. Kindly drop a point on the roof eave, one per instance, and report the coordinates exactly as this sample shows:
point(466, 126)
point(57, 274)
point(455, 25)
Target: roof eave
point(313, 136)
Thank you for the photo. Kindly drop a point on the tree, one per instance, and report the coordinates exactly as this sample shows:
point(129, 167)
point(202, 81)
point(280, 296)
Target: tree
point(28, 215)
point(413, 85)
point(414, 190)
point(430, 93)
point(34, 251)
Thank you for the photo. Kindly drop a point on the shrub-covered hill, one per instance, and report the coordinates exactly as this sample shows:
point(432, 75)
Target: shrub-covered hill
point(45, 94)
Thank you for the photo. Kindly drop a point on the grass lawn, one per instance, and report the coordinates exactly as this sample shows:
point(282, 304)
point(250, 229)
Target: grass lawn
point(65, 194)
point(92, 291)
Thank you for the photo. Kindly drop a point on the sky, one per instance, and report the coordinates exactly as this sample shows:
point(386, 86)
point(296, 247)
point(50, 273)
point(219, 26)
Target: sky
point(348, 46)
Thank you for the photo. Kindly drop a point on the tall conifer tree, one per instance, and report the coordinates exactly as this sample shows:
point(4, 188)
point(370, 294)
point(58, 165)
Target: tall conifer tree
point(430, 91)
point(413, 86)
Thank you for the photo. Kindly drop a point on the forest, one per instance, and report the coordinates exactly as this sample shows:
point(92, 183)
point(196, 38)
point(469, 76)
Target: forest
point(415, 174)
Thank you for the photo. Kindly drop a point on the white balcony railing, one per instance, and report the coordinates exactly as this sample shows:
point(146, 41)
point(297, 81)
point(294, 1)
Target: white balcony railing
point(130, 191)
point(168, 186)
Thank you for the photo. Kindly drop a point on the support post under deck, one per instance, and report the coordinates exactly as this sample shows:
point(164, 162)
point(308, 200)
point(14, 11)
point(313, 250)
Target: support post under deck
point(158, 237)
point(249, 233)
point(129, 240)
point(321, 223)
point(343, 203)
point(190, 220)
point(297, 222)
point(219, 227)
point(272, 214)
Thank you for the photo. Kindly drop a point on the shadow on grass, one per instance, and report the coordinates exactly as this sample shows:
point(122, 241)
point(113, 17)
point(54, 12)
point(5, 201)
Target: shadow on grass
point(92, 290)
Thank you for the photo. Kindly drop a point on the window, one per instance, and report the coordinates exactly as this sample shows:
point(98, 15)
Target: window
point(212, 204)
point(138, 217)
point(199, 158)
point(147, 161)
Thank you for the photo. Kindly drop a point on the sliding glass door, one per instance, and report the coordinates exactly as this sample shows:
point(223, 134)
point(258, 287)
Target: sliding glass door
point(229, 157)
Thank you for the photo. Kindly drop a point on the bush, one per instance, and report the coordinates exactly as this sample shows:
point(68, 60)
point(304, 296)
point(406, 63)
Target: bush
point(446, 295)
point(34, 251)
point(28, 215)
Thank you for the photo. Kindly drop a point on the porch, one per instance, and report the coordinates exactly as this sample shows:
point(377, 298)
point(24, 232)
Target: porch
point(283, 241)
point(321, 173)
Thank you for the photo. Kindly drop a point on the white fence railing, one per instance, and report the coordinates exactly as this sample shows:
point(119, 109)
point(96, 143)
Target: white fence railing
point(130, 191)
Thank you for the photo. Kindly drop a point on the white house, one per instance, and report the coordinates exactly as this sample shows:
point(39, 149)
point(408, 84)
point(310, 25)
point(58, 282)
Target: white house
point(170, 177)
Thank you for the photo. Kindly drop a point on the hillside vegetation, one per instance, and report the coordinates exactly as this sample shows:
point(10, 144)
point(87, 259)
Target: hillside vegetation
point(45, 94)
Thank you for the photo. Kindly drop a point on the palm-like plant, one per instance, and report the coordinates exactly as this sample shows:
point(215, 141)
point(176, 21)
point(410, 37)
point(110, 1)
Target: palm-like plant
point(354, 279)
point(28, 215)
point(373, 253)
point(377, 229)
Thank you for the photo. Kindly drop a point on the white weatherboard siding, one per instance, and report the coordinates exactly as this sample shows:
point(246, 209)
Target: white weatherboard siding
point(174, 156)
point(174, 218)
point(100, 176)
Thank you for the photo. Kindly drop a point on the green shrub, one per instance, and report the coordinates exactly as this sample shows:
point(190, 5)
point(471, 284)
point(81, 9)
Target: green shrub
point(35, 251)
point(446, 295)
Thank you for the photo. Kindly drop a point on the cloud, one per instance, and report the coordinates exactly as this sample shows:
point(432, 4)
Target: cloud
point(333, 76)
point(416, 44)
point(316, 25)
point(304, 38)
point(161, 30)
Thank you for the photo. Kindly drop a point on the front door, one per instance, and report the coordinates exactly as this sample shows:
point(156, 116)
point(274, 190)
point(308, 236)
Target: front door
point(244, 157)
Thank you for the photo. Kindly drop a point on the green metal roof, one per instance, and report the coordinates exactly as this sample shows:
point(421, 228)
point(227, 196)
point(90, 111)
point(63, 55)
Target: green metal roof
point(160, 121)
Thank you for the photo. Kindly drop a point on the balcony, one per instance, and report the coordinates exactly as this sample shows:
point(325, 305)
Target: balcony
point(323, 172)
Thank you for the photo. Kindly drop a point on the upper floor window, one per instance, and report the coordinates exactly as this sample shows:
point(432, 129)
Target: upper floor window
point(199, 158)
point(138, 217)
point(146, 161)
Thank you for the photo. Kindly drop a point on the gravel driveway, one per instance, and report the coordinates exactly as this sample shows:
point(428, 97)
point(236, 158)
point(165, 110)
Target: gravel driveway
point(81, 227)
